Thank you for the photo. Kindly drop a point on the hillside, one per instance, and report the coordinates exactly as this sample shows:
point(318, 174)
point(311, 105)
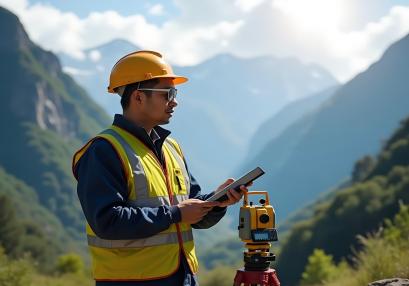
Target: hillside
point(377, 187)
point(44, 117)
point(315, 153)
point(289, 114)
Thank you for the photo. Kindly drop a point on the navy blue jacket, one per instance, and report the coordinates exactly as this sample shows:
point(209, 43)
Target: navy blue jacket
point(102, 191)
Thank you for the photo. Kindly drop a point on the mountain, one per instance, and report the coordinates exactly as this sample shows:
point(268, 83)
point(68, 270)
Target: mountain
point(377, 188)
point(92, 71)
point(30, 228)
point(220, 107)
point(315, 153)
point(289, 114)
point(44, 117)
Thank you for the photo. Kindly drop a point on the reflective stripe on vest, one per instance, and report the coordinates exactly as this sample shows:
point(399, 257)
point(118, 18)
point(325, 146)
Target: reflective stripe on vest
point(139, 176)
point(158, 239)
point(150, 202)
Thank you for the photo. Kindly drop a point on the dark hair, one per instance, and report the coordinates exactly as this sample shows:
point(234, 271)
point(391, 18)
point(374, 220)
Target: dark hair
point(130, 88)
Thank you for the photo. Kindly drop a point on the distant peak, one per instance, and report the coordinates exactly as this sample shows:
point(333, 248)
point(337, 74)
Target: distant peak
point(12, 30)
point(115, 44)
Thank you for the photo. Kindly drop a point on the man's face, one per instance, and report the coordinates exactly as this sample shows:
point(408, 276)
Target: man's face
point(156, 108)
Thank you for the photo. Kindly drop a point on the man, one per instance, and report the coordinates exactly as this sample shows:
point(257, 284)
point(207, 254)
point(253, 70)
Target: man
point(138, 197)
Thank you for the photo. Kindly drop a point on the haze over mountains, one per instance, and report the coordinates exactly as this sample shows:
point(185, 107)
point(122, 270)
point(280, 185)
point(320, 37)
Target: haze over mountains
point(289, 114)
point(220, 108)
point(316, 152)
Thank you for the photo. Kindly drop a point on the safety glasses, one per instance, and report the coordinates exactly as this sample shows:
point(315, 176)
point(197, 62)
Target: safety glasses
point(171, 92)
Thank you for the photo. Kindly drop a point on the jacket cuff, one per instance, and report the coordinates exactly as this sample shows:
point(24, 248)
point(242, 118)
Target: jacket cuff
point(219, 209)
point(175, 214)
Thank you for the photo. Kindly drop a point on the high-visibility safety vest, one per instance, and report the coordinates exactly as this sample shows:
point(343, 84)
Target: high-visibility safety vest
point(149, 185)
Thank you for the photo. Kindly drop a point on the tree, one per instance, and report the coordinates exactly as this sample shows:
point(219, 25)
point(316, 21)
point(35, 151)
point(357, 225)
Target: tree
point(320, 267)
point(362, 168)
point(10, 228)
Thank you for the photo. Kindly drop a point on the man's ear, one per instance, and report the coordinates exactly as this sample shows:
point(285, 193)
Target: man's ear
point(137, 96)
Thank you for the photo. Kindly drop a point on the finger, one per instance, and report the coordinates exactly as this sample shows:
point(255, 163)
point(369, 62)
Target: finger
point(236, 195)
point(227, 202)
point(244, 189)
point(230, 196)
point(206, 204)
point(227, 182)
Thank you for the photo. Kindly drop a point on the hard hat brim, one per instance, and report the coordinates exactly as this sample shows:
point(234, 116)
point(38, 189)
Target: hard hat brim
point(177, 79)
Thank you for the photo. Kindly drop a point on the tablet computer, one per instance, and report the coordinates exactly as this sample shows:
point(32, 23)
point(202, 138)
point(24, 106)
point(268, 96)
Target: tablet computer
point(244, 180)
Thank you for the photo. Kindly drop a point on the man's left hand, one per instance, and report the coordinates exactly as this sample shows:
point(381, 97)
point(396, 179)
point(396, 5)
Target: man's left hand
point(232, 195)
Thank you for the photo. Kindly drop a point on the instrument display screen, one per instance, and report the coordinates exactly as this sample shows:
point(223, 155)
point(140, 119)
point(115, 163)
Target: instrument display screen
point(264, 235)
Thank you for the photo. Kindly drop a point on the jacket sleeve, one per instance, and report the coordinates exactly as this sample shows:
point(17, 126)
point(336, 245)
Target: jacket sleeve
point(212, 217)
point(102, 191)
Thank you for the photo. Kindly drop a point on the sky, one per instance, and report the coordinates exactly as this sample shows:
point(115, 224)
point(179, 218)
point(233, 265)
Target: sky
point(343, 36)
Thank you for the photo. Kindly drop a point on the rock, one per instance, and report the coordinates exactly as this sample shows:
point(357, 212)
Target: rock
point(390, 282)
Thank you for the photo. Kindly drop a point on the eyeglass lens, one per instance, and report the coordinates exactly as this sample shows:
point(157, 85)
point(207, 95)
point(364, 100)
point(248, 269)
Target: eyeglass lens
point(172, 93)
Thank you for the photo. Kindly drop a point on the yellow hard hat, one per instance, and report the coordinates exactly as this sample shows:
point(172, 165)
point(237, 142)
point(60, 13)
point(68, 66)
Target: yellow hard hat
point(139, 66)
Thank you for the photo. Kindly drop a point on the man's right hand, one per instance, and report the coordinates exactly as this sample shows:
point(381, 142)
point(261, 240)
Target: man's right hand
point(193, 210)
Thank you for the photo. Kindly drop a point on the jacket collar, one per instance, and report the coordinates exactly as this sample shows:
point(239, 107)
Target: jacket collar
point(154, 142)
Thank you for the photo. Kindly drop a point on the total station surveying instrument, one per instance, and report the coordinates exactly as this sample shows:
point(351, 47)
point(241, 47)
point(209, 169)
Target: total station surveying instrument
point(257, 231)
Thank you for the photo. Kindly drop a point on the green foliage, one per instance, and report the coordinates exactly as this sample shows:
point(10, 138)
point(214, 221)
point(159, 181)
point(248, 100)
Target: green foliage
point(356, 209)
point(14, 273)
point(10, 229)
point(55, 178)
point(320, 267)
point(22, 272)
point(41, 247)
point(225, 252)
point(383, 255)
point(70, 263)
point(219, 276)
point(397, 230)
point(362, 168)
point(35, 231)
point(63, 280)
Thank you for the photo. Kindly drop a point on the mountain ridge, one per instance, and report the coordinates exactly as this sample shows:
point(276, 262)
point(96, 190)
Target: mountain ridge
point(317, 150)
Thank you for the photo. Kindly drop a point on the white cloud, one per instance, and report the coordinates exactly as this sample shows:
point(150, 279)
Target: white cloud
point(94, 56)
point(312, 33)
point(247, 5)
point(284, 31)
point(75, 71)
point(15, 5)
point(157, 10)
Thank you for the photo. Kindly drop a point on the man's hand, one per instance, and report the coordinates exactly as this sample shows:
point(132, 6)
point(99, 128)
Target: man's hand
point(232, 195)
point(193, 210)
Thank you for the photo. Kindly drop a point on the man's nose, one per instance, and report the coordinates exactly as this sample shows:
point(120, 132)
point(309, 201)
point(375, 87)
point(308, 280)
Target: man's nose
point(173, 102)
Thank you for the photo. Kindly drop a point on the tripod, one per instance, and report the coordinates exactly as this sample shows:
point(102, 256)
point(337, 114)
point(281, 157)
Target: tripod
point(257, 269)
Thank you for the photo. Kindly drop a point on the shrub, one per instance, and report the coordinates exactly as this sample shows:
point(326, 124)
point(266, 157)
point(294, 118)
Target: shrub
point(14, 273)
point(70, 263)
point(320, 267)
